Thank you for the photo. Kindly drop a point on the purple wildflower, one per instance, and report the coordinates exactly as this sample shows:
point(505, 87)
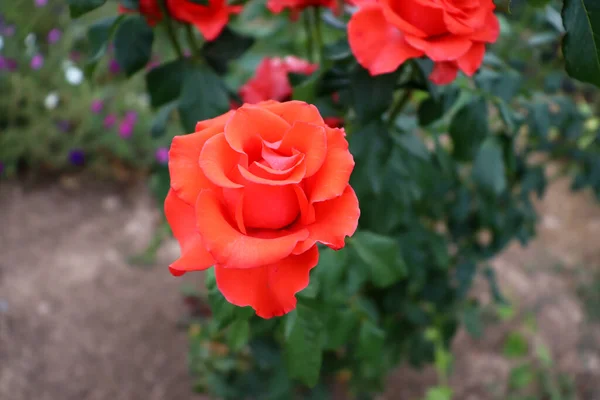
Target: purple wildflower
point(109, 121)
point(97, 106)
point(77, 157)
point(41, 3)
point(54, 35)
point(162, 155)
point(7, 64)
point(131, 116)
point(113, 66)
point(125, 129)
point(64, 125)
point(8, 30)
point(37, 61)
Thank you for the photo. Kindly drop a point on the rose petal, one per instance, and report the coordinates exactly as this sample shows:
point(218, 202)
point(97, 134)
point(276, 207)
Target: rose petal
point(332, 178)
point(443, 72)
point(377, 45)
point(219, 122)
point(471, 61)
point(490, 30)
point(295, 111)
point(187, 179)
point(445, 48)
point(309, 139)
point(181, 218)
point(415, 18)
point(270, 290)
point(231, 248)
point(269, 207)
point(334, 220)
point(258, 173)
point(218, 160)
point(250, 125)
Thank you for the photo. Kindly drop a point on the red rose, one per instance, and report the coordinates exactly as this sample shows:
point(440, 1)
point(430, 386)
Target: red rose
point(209, 20)
point(271, 79)
point(252, 192)
point(452, 33)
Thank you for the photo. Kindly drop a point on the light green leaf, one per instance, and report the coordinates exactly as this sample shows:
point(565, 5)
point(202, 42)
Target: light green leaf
point(238, 334)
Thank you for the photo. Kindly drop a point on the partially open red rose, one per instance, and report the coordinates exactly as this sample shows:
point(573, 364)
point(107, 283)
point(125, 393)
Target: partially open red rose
point(209, 20)
point(252, 192)
point(384, 34)
point(271, 82)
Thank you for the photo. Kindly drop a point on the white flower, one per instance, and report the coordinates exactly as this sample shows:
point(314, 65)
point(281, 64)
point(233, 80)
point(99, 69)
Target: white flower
point(74, 75)
point(30, 40)
point(51, 101)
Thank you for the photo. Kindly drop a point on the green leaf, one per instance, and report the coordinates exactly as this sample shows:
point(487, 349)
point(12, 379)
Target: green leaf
point(490, 275)
point(413, 144)
point(133, 44)
point(371, 95)
point(307, 90)
point(133, 5)
point(472, 319)
point(203, 96)
point(382, 255)
point(238, 334)
point(304, 345)
point(159, 123)
point(521, 376)
point(221, 309)
point(488, 169)
point(465, 272)
point(99, 35)
point(341, 328)
point(432, 109)
point(228, 46)
point(338, 51)
point(439, 393)
point(164, 82)
point(515, 346)
point(581, 44)
point(79, 7)
point(468, 128)
point(371, 340)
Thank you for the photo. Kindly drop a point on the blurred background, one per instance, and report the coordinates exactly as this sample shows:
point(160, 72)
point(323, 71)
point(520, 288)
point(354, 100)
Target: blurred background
point(88, 309)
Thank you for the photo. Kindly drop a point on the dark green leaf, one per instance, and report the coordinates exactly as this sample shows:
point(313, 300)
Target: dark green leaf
point(468, 129)
point(159, 124)
point(341, 327)
point(338, 50)
point(164, 82)
point(99, 35)
point(382, 255)
point(203, 96)
point(221, 309)
point(304, 344)
point(133, 5)
point(488, 169)
point(228, 46)
point(133, 44)
point(371, 339)
point(413, 144)
point(432, 109)
point(472, 320)
point(465, 272)
point(490, 275)
point(79, 7)
point(371, 95)
point(238, 334)
point(307, 90)
point(581, 44)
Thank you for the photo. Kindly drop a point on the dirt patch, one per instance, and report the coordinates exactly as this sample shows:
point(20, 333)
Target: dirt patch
point(77, 322)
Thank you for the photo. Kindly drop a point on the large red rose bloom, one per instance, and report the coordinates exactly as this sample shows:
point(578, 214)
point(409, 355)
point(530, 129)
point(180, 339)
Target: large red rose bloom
point(252, 192)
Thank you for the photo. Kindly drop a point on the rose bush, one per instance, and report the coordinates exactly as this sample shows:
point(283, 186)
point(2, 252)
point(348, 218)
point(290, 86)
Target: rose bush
point(252, 192)
point(444, 174)
point(384, 34)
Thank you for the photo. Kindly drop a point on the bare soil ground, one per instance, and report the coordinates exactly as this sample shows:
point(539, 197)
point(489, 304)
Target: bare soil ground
point(78, 323)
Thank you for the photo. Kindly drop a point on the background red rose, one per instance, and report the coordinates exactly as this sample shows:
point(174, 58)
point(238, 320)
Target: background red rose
point(385, 34)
